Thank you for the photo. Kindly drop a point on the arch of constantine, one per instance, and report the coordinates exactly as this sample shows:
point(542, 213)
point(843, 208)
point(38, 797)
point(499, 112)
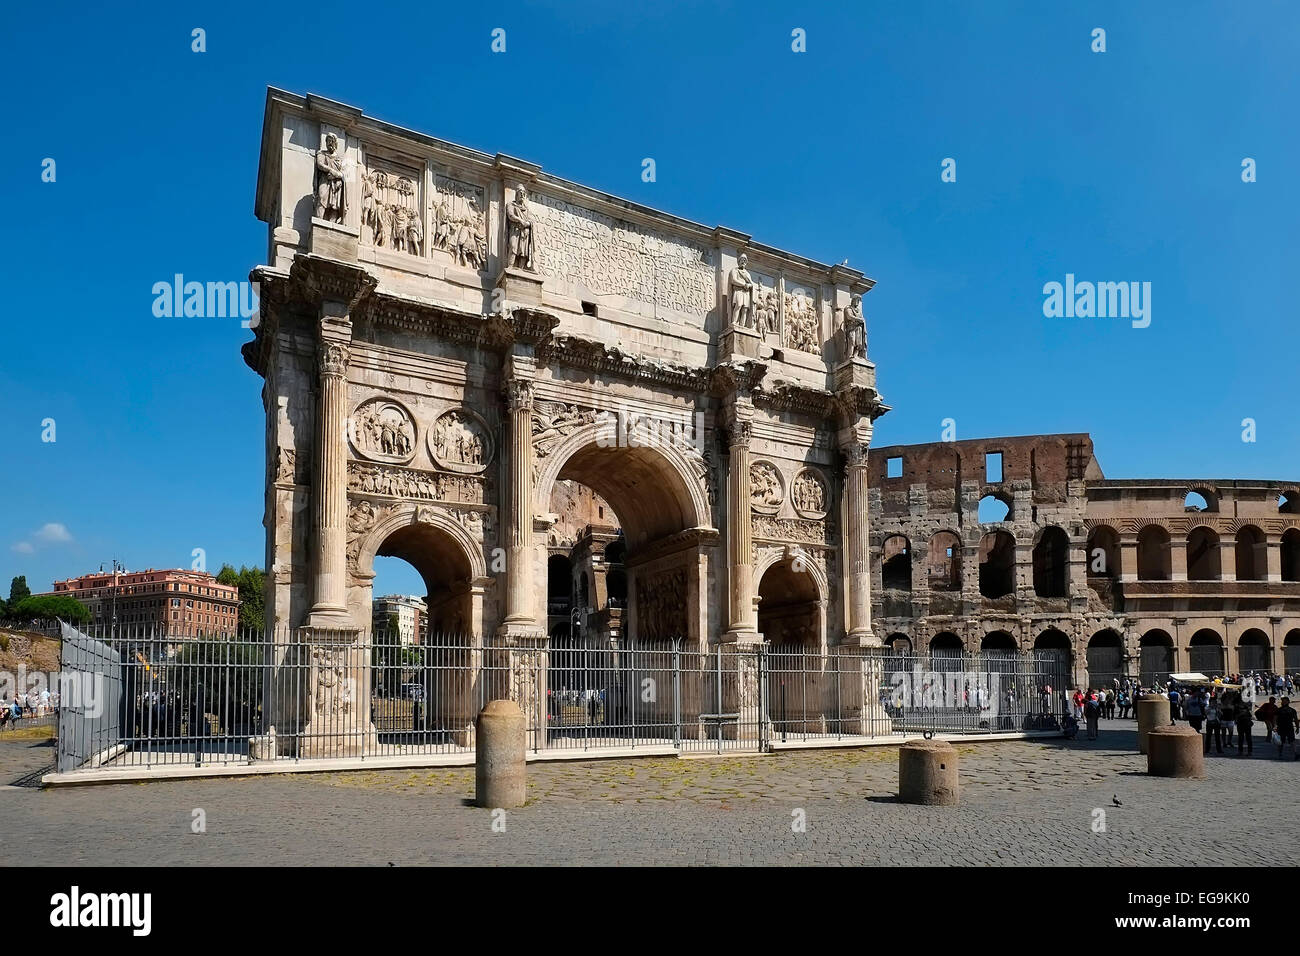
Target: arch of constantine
point(447, 337)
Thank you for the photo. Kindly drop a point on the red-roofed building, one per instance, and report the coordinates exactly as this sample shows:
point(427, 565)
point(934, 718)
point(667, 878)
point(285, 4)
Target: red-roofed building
point(169, 603)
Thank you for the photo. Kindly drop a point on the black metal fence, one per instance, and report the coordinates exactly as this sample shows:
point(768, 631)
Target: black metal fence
point(303, 695)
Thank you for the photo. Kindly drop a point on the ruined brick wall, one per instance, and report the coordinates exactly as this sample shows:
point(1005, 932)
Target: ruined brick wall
point(1107, 614)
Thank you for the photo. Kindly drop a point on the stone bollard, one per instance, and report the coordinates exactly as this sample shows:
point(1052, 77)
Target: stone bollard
point(927, 773)
point(1175, 751)
point(500, 768)
point(1152, 712)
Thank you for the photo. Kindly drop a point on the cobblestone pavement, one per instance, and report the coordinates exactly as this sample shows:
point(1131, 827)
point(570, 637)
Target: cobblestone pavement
point(1022, 803)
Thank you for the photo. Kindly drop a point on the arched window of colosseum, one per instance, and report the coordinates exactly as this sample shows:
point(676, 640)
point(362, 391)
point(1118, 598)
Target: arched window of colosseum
point(1291, 554)
point(896, 564)
point(998, 642)
point(1105, 659)
point(1251, 554)
point(1051, 561)
point(1291, 650)
point(946, 651)
point(1103, 553)
point(899, 643)
point(944, 562)
point(1200, 500)
point(1254, 652)
point(1155, 657)
point(993, 509)
point(1153, 554)
point(1205, 653)
point(1203, 555)
point(1288, 503)
point(997, 556)
point(1052, 649)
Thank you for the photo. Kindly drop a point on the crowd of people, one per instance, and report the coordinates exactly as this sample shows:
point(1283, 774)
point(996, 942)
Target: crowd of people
point(1223, 711)
point(27, 705)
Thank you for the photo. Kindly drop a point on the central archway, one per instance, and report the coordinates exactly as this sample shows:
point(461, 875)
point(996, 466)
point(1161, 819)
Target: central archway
point(657, 491)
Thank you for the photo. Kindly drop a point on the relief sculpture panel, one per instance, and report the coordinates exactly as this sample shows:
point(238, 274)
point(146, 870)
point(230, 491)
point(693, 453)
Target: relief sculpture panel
point(614, 257)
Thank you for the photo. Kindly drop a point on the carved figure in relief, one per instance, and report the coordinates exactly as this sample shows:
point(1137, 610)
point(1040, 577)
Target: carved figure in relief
point(764, 485)
point(552, 421)
point(333, 697)
point(801, 323)
point(470, 247)
point(765, 311)
point(521, 229)
point(740, 289)
point(385, 430)
point(330, 199)
point(457, 439)
point(855, 329)
point(390, 212)
point(809, 494)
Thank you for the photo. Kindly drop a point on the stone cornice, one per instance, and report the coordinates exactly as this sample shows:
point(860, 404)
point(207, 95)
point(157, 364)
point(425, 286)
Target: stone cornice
point(857, 400)
point(673, 543)
point(319, 278)
point(732, 377)
point(786, 395)
point(576, 352)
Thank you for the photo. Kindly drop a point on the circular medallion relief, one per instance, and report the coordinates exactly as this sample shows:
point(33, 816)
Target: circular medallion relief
point(460, 441)
point(808, 493)
point(766, 490)
point(382, 430)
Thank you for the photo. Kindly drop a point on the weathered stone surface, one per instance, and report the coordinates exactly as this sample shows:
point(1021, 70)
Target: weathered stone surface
point(500, 768)
point(1152, 712)
point(1175, 751)
point(927, 773)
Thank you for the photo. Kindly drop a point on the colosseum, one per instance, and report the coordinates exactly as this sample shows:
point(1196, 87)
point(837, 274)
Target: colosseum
point(1023, 543)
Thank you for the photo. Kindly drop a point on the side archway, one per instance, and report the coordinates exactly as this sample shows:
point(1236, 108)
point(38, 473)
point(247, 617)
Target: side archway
point(447, 556)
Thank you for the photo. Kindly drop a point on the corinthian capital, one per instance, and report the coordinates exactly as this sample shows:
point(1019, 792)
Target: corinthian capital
point(855, 454)
point(738, 419)
point(333, 358)
point(519, 394)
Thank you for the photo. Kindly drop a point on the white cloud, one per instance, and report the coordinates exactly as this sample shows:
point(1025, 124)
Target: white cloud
point(54, 533)
point(23, 547)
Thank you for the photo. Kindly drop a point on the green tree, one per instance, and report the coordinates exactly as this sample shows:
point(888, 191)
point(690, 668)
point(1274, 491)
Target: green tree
point(18, 590)
point(48, 607)
point(252, 594)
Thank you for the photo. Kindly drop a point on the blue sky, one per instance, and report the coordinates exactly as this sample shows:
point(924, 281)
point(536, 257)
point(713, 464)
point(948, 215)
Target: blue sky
point(1115, 166)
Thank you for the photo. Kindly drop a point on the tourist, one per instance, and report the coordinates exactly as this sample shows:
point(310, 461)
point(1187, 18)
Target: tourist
point(1078, 703)
point(1267, 714)
point(1193, 711)
point(1285, 720)
point(1174, 697)
point(1243, 720)
point(1092, 713)
point(1123, 702)
point(1214, 724)
point(1110, 703)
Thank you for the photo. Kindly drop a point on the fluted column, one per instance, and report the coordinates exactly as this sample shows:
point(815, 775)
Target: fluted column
point(520, 599)
point(740, 535)
point(330, 491)
point(857, 544)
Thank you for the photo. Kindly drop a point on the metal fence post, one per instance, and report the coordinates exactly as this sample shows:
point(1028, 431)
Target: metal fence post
point(677, 693)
